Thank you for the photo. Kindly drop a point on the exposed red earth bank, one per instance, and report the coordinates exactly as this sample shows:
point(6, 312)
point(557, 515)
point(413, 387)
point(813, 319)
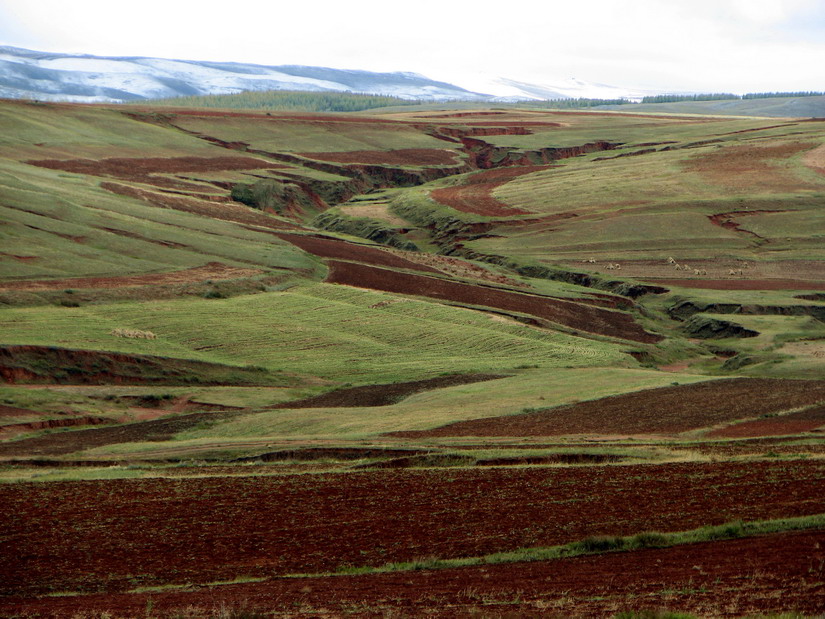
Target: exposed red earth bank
point(666, 410)
point(568, 313)
point(113, 535)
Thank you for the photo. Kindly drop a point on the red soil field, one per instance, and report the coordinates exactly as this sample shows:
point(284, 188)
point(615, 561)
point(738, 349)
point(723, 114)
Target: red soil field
point(742, 284)
point(342, 250)
point(476, 195)
point(211, 270)
point(113, 535)
point(576, 315)
point(750, 576)
point(795, 423)
point(404, 156)
point(667, 410)
point(384, 395)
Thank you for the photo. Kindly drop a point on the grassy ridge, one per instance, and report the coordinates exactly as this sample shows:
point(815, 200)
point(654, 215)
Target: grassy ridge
point(285, 100)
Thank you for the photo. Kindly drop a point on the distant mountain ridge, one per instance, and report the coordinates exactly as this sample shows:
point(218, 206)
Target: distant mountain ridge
point(28, 74)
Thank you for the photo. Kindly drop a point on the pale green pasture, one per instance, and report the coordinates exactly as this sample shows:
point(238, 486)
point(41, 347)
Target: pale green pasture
point(284, 135)
point(33, 131)
point(323, 330)
point(42, 207)
point(621, 234)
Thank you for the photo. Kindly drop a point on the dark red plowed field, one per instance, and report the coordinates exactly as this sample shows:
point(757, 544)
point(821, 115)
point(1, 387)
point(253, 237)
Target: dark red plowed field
point(332, 248)
point(476, 195)
point(402, 157)
point(211, 270)
point(118, 534)
point(666, 410)
point(795, 423)
point(570, 314)
point(768, 574)
point(384, 395)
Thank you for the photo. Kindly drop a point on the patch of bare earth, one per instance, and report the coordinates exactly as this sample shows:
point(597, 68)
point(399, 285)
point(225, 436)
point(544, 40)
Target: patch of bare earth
point(568, 313)
point(666, 410)
point(476, 194)
point(751, 167)
point(211, 270)
point(114, 535)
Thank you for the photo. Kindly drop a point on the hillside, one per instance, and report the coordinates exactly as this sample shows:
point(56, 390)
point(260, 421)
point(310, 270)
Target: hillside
point(387, 354)
point(779, 107)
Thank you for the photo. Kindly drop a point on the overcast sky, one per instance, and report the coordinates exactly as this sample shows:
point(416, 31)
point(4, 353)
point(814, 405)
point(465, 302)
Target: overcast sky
point(693, 45)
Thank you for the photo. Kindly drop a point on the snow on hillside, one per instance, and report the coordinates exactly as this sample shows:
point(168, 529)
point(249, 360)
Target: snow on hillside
point(30, 74)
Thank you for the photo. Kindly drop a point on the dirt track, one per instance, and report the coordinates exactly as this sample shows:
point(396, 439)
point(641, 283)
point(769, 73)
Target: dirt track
point(211, 270)
point(666, 410)
point(118, 534)
point(575, 315)
point(774, 573)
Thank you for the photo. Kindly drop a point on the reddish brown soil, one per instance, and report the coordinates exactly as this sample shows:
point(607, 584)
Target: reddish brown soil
point(224, 211)
point(211, 270)
point(384, 395)
point(751, 167)
point(476, 195)
point(117, 534)
point(14, 429)
point(13, 411)
point(742, 284)
point(145, 170)
point(342, 250)
point(795, 423)
point(576, 315)
point(768, 574)
point(663, 410)
point(62, 443)
point(403, 156)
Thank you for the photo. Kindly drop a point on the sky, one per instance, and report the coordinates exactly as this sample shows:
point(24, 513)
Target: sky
point(677, 45)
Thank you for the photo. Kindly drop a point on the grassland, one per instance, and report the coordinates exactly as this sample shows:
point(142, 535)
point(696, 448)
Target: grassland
point(167, 291)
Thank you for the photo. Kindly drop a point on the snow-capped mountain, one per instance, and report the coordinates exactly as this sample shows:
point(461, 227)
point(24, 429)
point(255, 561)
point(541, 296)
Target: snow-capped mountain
point(83, 78)
point(505, 89)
